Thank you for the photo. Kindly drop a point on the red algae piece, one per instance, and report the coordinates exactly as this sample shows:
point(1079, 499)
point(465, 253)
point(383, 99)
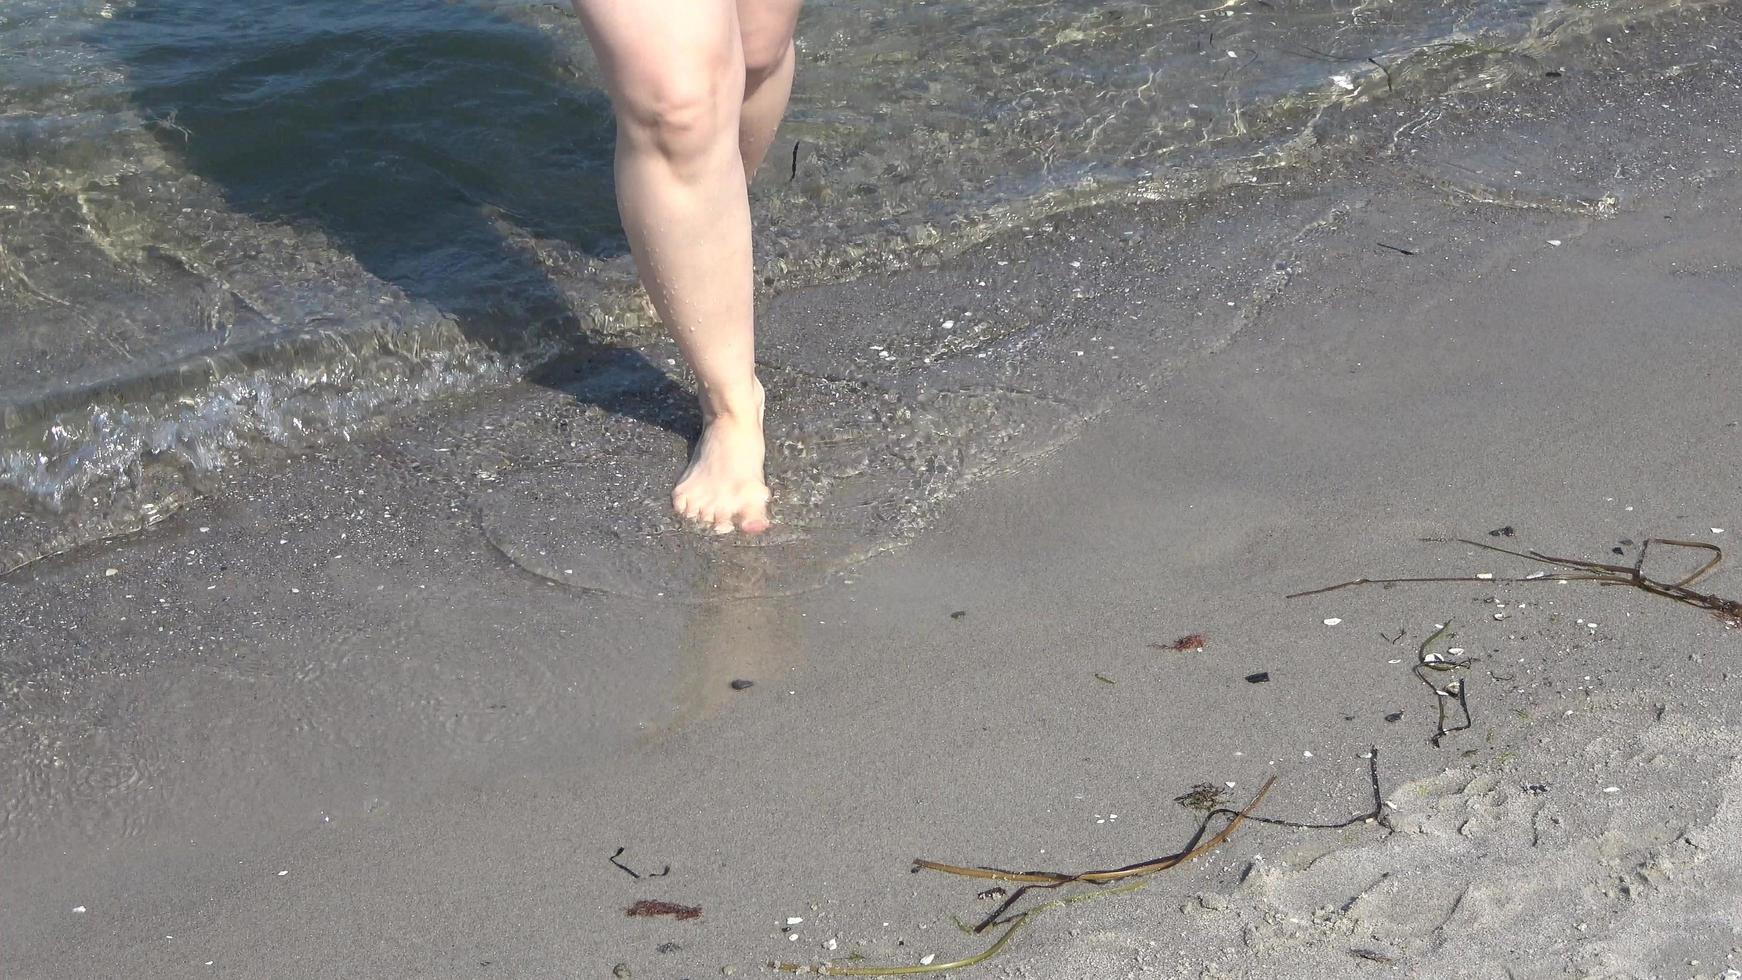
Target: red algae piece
point(649, 907)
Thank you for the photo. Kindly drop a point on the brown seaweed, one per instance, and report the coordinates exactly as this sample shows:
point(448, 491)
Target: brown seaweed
point(1125, 879)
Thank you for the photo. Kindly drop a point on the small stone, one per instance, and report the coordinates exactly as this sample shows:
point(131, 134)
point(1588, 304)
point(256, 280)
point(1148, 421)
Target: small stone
point(742, 685)
point(728, 970)
point(927, 958)
point(621, 971)
point(793, 920)
point(1332, 621)
point(111, 572)
point(78, 908)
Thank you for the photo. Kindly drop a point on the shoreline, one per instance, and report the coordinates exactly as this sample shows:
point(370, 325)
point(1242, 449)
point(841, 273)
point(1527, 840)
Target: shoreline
point(139, 445)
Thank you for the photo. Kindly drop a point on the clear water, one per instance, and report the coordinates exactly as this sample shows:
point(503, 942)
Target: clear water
point(229, 224)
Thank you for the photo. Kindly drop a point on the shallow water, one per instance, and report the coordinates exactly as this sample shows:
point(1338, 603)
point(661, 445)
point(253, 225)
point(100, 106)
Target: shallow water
point(229, 226)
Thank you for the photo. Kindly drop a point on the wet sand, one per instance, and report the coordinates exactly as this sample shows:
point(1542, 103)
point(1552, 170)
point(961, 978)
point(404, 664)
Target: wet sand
point(347, 716)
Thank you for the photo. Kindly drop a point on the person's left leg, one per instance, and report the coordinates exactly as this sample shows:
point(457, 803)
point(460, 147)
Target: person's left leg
point(765, 27)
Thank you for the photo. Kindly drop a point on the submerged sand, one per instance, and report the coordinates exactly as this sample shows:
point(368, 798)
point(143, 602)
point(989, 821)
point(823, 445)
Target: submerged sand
point(338, 720)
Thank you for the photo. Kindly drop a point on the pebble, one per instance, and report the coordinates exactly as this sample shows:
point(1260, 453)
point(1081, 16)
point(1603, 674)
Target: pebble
point(111, 572)
point(793, 920)
point(927, 958)
point(1333, 621)
point(78, 908)
point(743, 685)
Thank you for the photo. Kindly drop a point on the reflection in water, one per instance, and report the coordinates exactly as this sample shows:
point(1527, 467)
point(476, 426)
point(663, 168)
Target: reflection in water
point(758, 640)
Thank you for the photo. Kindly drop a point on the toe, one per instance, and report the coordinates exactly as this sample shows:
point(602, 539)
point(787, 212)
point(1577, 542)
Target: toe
point(752, 518)
point(716, 520)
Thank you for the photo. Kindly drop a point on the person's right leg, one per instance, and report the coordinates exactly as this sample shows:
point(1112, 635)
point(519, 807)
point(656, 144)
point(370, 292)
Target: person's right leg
point(676, 75)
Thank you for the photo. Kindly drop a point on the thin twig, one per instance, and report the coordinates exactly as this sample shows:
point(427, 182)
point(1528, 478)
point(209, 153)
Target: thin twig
point(1586, 571)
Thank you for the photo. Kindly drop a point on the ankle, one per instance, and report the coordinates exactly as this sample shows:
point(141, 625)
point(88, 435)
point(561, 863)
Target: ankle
point(742, 405)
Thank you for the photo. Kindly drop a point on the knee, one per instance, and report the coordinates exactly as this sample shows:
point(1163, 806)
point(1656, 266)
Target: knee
point(683, 114)
point(765, 57)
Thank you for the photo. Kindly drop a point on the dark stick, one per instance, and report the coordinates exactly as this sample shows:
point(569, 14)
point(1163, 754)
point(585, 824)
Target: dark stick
point(626, 869)
point(1387, 71)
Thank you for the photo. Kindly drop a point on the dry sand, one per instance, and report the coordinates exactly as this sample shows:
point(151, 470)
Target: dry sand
point(318, 726)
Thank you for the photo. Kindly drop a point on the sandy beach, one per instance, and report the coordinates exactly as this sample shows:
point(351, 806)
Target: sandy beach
point(420, 703)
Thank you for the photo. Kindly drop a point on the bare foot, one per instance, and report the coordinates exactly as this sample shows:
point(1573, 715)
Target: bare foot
point(723, 487)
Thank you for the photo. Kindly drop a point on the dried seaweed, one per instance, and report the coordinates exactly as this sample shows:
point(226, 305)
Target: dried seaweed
point(1132, 877)
point(631, 872)
point(1203, 797)
point(1579, 570)
point(1376, 815)
point(647, 908)
point(1427, 664)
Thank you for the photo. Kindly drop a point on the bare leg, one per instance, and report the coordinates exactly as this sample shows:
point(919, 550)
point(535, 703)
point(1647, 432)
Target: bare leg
point(766, 29)
point(676, 72)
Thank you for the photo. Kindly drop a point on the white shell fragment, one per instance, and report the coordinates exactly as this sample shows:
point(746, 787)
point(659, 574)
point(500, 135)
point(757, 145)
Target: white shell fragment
point(1332, 621)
